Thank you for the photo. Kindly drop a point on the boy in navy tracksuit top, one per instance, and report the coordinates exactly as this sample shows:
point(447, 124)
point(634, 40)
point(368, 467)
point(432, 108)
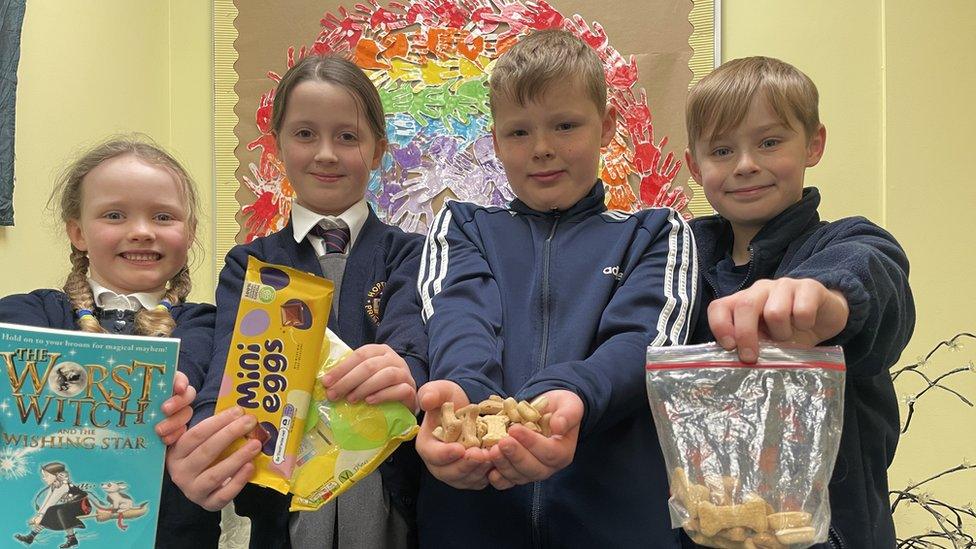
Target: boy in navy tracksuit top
point(330, 131)
point(553, 296)
point(772, 268)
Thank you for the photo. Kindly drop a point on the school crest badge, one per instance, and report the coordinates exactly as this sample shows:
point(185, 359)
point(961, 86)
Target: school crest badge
point(373, 298)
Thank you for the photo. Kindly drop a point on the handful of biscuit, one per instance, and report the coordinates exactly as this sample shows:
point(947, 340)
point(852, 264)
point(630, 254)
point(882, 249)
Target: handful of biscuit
point(750, 447)
point(482, 425)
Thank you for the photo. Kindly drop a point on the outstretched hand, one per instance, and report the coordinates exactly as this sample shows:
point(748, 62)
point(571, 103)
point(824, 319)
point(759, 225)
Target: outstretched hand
point(526, 456)
point(787, 310)
point(450, 462)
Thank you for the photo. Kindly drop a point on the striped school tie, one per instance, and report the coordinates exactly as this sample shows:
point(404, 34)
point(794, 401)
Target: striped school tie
point(334, 239)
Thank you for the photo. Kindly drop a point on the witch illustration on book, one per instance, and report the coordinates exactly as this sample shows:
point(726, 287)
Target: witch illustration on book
point(58, 506)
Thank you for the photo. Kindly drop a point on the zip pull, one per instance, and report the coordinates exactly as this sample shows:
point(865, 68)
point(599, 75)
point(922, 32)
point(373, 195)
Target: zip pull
point(552, 231)
point(752, 267)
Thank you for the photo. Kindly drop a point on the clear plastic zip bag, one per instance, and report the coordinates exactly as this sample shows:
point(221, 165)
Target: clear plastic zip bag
point(750, 448)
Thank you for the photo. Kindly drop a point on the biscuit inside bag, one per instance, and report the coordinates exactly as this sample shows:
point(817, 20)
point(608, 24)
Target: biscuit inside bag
point(749, 448)
point(344, 442)
point(272, 361)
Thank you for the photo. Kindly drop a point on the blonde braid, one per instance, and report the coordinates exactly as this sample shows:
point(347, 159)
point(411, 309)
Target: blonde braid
point(79, 292)
point(158, 322)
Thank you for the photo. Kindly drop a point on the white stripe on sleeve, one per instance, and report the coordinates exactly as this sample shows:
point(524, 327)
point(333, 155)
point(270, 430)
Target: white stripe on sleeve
point(432, 272)
point(669, 299)
point(688, 256)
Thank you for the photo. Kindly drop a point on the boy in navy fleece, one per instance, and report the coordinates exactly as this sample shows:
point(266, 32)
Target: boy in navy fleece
point(552, 296)
point(773, 269)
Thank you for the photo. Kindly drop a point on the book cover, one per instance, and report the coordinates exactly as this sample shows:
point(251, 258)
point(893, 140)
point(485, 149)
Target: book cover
point(80, 463)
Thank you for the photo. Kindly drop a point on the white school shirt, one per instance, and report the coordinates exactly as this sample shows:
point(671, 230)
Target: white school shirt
point(106, 299)
point(303, 219)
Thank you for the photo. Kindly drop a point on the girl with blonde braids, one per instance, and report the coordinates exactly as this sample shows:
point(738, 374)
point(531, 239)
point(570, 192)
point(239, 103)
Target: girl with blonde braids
point(130, 213)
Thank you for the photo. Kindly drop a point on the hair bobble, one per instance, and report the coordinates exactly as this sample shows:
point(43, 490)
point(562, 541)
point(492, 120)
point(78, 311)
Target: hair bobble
point(82, 313)
point(164, 305)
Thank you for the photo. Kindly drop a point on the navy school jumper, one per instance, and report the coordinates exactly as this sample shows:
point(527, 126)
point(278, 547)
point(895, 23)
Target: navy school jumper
point(179, 518)
point(866, 264)
point(518, 302)
point(383, 257)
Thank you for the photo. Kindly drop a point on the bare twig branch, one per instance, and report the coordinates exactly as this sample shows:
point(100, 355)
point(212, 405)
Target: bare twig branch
point(933, 383)
point(951, 520)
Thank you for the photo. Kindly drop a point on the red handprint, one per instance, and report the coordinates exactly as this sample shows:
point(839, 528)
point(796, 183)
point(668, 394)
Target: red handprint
point(596, 38)
point(260, 216)
point(621, 73)
point(633, 109)
point(540, 15)
point(392, 18)
point(349, 28)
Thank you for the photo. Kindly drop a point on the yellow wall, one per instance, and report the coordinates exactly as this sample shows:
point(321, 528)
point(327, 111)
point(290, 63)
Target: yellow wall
point(929, 196)
point(895, 81)
point(91, 69)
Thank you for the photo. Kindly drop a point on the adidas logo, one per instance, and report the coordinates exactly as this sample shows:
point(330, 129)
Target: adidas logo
point(613, 271)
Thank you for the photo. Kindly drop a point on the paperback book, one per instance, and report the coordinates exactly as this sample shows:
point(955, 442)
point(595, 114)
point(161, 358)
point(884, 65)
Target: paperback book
point(80, 463)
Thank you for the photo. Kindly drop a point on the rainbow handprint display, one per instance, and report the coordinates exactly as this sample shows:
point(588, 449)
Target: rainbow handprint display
point(430, 61)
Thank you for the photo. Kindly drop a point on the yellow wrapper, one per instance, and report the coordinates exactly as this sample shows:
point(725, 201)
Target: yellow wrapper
point(344, 442)
point(272, 362)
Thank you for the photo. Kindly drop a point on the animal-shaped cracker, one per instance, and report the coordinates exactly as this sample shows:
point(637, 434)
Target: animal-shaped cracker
point(715, 518)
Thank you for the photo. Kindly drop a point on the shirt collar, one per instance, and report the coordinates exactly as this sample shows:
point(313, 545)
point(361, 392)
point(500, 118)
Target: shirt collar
point(303, 219)
point(107, 299)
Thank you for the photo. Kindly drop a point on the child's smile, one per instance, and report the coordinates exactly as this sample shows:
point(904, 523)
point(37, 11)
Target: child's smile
point(133, 225)
point(327, 147)
point(548, 176)
point(141, 257)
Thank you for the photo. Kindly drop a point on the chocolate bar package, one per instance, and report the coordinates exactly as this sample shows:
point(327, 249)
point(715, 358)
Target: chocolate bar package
point(750, 448)
point(272, 362)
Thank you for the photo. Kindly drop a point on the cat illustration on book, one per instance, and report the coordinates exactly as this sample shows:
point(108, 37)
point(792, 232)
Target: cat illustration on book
point(119, 504)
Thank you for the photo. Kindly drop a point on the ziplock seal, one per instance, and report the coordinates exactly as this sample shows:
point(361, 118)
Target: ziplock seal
point(769, 353)
point(771, 365)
